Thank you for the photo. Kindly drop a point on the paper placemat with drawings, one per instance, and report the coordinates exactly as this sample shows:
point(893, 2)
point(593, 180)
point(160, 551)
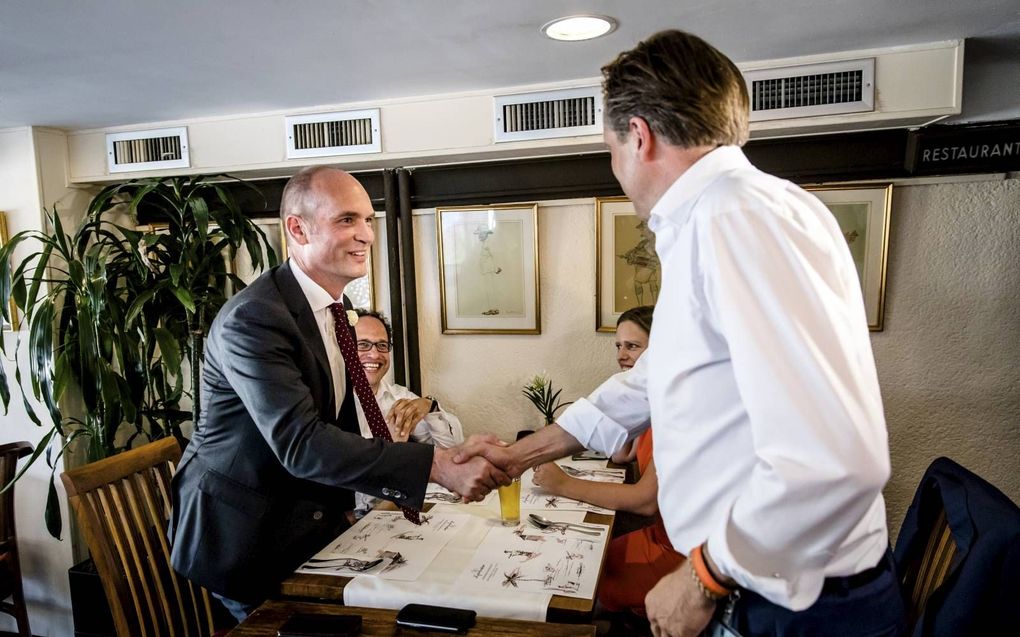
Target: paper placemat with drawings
point(555, 560)
point(386, 545)
point(535, 497)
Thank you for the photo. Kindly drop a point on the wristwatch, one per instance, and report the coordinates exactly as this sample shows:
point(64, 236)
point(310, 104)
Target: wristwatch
point(434, 406)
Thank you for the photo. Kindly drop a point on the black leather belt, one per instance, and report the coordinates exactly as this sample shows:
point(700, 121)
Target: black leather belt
point(850, 582)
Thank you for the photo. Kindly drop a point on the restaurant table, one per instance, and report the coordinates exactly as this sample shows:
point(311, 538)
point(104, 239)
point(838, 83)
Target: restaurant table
point(268, 618)
point(330, 588)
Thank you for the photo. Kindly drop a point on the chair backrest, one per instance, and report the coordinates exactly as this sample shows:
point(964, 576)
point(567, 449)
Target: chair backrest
point(9, 455)
point(922, 577)
point(123, 504)
point(958, 553)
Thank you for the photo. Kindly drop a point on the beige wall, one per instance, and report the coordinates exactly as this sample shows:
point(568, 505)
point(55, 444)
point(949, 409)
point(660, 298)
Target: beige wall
point(26, 164)
point(948, 359)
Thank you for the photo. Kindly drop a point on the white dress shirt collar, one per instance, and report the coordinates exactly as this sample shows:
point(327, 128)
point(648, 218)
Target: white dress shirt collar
point(673, 204)
point(318, 297)
point(320, 300)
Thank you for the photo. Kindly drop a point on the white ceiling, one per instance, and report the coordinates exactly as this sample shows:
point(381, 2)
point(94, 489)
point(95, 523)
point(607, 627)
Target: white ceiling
point(84, 64)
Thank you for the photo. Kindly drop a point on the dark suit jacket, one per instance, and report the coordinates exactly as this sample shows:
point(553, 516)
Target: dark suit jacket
point(266, 479)
point(981, 593)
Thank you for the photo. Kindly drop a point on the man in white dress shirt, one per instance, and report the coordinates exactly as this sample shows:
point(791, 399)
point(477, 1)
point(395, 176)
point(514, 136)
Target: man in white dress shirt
point(421, 419)
point(770, 440)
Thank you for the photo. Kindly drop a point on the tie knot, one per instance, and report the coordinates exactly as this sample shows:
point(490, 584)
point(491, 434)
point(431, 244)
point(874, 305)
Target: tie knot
point(343, 316)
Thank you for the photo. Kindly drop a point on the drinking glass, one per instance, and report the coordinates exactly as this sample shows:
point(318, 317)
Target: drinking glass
point(510, 503)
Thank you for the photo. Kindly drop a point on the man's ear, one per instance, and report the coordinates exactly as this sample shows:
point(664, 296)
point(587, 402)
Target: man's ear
point(295, 229)
point(642, 136)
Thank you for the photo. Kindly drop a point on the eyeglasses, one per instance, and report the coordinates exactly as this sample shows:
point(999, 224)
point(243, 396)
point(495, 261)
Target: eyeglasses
point(384, 347)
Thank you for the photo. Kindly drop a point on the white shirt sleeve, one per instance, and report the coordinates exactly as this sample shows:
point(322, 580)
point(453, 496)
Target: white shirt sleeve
point(439, 428)
point(617, 411)
point(802, 361)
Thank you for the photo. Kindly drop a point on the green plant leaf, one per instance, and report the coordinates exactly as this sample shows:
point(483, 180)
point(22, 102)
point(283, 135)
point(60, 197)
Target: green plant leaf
point(40, 347)
point(40, 273)
point(29, 408)
point(5, 392)
point(139, 303)
point(38, 451)
point(184, 296)
point(127, 402)
point(168, 349)
point(58, 234)
point(200, 211)
point(62, 376)
point(54, 524)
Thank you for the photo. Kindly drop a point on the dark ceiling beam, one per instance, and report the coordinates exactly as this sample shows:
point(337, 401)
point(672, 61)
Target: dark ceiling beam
point(838, 157)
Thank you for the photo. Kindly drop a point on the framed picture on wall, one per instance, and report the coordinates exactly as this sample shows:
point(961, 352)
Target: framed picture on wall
point(862, 211)
point(488, 269)
point(627, 272)
point(273, 229)
point(10, 322)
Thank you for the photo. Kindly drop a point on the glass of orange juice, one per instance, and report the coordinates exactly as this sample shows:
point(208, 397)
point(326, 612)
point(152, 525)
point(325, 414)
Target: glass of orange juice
point(510, 503)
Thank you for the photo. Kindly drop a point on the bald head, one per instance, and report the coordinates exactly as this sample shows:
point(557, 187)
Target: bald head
point(303, 194)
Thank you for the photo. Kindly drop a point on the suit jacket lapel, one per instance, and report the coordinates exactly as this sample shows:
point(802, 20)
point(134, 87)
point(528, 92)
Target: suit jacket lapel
point(296, 302)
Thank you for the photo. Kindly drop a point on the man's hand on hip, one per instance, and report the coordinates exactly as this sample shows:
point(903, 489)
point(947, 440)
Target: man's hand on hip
point(676, 607)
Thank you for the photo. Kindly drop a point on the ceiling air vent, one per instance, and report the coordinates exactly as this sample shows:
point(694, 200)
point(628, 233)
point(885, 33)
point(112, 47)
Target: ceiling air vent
point(813, 89)
point(147, 150)
point(327, 134)
point(548, 114)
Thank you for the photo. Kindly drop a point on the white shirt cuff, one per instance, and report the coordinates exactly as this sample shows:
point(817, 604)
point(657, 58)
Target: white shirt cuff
point(592, 428)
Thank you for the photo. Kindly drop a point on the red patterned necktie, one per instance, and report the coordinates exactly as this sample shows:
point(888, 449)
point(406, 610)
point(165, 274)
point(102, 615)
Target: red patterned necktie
point(376, 423)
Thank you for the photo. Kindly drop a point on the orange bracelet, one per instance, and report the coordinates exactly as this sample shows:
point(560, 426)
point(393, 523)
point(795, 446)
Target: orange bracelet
point(706, 582)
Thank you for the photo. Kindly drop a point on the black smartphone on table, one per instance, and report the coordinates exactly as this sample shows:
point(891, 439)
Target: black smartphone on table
point(423, 616)
point(308, 625)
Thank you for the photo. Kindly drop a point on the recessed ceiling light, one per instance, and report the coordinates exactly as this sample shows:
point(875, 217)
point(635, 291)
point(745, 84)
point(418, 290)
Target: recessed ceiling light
point(579, 27)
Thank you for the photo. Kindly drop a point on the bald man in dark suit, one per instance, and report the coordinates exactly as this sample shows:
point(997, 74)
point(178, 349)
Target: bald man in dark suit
point(268, 478)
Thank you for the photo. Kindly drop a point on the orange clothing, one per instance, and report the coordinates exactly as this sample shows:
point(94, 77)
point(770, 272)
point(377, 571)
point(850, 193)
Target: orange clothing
point(635, 562)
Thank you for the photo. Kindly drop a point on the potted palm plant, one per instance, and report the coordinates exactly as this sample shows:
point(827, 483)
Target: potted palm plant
point(539, 390)
point(117, 313)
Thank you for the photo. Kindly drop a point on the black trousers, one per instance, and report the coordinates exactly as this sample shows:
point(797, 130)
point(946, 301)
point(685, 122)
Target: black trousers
point(868, 604)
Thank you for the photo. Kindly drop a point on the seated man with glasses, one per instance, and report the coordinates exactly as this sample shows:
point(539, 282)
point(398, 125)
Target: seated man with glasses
point(407, 415)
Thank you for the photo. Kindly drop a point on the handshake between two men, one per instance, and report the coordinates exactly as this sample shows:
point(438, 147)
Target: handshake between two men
point(484, 462)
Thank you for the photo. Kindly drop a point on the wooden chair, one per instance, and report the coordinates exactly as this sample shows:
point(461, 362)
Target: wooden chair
point(123, 504)
point(10, 563)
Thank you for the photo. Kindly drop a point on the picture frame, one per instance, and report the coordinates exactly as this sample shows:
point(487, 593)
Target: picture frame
point(489, 269)
point(275, 236)
point(863, 211)
point(627, 272)
point(12, 324)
